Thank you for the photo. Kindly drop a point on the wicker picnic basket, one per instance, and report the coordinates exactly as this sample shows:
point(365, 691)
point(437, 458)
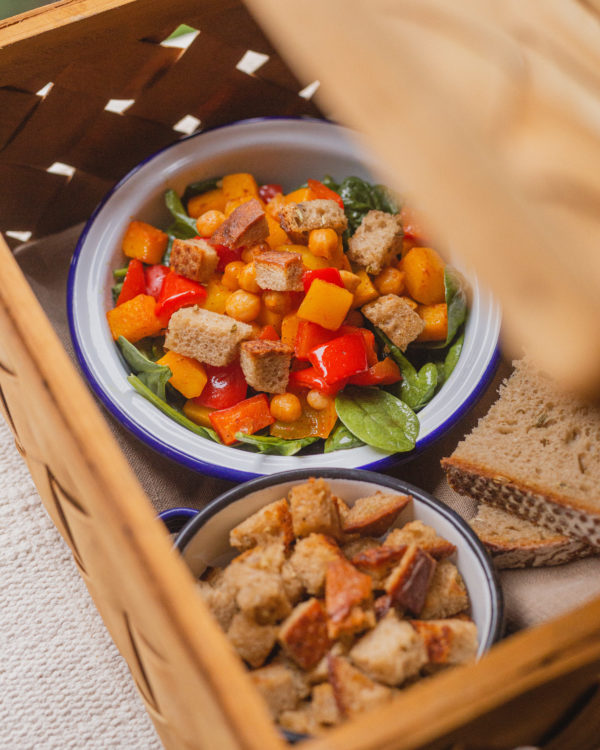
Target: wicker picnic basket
point(195, 690)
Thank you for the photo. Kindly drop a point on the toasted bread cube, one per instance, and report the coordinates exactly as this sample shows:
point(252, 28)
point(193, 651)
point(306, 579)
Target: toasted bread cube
point(300, 720)
point(252, 641)
point(221, 602)
point(195, 259)
point(324, 705)
point(304, 634)
point(361, 544)
point(320, 673)
point(277, 685)
point(206, 336)
point(382, 605)
point(292, 584)
point(392, 652)
point(354, 691)
point(310, 559)
point(348, 600)
point(376, 242)
point(395, 318)
point(266, 365)
point(279, 270)
point(245, 226)
point(299, 219)
point(374, 515)
point(447, 593)
point(425, 537)
point(378, 562)
point(269, 524)
point(409, 580)
point(314, 509)
point(450, 641)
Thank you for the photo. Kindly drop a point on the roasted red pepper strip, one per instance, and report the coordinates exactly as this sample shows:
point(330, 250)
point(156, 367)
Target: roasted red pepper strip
point(310, 378)
point(155, 276)
point(248, 417)
point(340, 358)
point(268, 191)
point(225, 386)
point(332, 275)
point(369, 338)
point(227, 255)
point(268, 333)
point(177, 292)
point(309, 336)
point(322, 191)
point(134, 282)
point(385, 372)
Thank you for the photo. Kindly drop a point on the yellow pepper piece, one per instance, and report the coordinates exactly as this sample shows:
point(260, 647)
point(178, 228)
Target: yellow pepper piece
point(289, 329)
point(144, 242)
point(189, 376)
point(277, 235)
point(212, 200)
point(239, 185)
point(326, 304)
point(300, 195)
point(365, 291)
point(310, 261)
point(135, 319)
point(198, 414)
point(217, 295)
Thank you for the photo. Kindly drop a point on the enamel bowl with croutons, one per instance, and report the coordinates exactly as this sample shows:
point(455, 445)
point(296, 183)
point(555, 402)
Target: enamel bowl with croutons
point(341, 589)
point(251, 300)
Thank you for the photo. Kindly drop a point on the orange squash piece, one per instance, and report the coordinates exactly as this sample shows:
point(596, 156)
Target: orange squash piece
point(144, 242)
point(435, 318)
point(135, 319)
point(189, 376)
point(424, 275)
point(212, 200)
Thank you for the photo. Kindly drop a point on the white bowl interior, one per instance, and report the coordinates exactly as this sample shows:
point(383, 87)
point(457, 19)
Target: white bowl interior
point(279, 150)
point(210, 544)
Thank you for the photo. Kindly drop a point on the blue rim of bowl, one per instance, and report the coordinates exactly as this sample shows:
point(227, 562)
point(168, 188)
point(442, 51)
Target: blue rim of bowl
point(361, 475)
point(176, 518)
point(181, 457)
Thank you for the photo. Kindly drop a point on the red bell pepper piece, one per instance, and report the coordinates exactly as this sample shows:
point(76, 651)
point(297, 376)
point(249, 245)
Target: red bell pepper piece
point(268, 191)
point(322, 191)
point(369, 338)
point(227, 255)
point(177, 292)
point(134, 282)
point(309, 336)
point(385, 372)
point(340, 358)
point(332, 275)
point(268, 333)
point(225, 386)
point(248, 417)
point(155, 276)
point(310, 378)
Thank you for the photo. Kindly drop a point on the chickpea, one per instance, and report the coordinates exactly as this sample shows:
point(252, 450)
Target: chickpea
point(231, 274)
point(247, 278)
point(323, 242)
point(277, 302)
point(243, 305)
point(209, 222)
point(317, 400)
point(389, 281)
point(286, 407)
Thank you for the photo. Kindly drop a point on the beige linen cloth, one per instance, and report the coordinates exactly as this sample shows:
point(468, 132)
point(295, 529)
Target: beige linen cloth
point(88, 700)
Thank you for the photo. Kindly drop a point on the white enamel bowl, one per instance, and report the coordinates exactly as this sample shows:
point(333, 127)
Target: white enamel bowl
point(287, 151)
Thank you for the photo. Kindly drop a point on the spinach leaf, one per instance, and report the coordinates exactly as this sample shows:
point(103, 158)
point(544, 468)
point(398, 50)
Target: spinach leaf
point(184, 227)
point(202, 186)
point(340, 439)
point(176, 415)
point(152, 375)
point(378, 418)
point(329, 182)
point(275, 445)
point(453, 356)
point(166, 259)
point(360, 197)
point(386, 199)
point(456, 300)
point(120, 273)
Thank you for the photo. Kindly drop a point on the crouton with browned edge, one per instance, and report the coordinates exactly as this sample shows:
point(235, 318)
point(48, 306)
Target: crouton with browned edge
point(354, 691)
point(348, 600)
point(277, 685)
point(448, 641)
point(425, 537)
point(324, 705)
point(269, 524)
point(279, 270)
point(374, 515)
point(298, 219)
point(304, 634)
point(266, 365)
point(310, 559)
point(376, 242)
point(395, 317)
point(314, 509)
point(246, 225)
point(447, 593)
point(378, 562)
point(409, 581)
point(195, 259)
point(252, 641)
point(361, 544)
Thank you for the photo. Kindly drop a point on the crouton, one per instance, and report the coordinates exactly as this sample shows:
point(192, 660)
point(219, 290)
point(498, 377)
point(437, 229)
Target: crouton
point(206, 336)
point(395, 318)
point(409, 580)
point(376, 242)
point(266, 365)
point(299, 721)
point(382, 606)
point(299, 676)
point(195, 259)
point(304, 634)
point(279, 270)
point(348, 600)
point(324, 705)
point(310, 559)
point(378, 562)
point(447, 593)
point(448, 641)
point(374, 515)
point(314, 509)
point(246, 225)
point(298, 219)
point(358, 545)
point(252, 641)
point(354, 692)
point(392, 652)
point(293, 586)
point(277, 686)
point(269, 524)
point(320, 673)
point(221, 602)
point(425, 537)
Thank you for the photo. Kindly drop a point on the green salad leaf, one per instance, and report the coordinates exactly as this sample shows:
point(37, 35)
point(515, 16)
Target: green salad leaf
point(184, 227)
point(166, 259)
point(275, 445)
point(152, 375)
point(378, 418)
point(360, 197)
point(199, 187)
point(453, 356)
point(456, 300)
point(340, 439)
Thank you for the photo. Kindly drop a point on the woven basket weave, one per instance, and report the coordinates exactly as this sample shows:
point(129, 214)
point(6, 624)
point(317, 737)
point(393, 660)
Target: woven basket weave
point(194, 687)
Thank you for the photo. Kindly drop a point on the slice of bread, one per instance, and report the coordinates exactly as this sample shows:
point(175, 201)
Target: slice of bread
point(515, 543)
point(535, 454)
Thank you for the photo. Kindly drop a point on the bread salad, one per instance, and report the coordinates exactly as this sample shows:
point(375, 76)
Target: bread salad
point(336, 608)
point(271, 321)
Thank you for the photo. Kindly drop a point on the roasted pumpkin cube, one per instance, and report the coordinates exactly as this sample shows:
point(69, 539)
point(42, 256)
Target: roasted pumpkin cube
point(134, 319)
point(189, 376)
point(326, 304)
point(144, 242)
point(365, 291)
